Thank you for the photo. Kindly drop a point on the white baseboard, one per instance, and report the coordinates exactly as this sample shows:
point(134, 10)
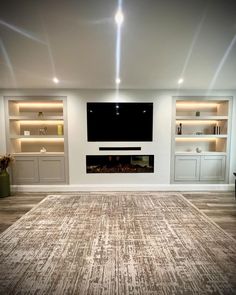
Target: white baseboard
point(121, 187)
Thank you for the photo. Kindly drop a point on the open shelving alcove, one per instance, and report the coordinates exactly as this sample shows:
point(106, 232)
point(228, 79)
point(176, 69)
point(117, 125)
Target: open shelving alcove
point(201, 139)
point(37, 137)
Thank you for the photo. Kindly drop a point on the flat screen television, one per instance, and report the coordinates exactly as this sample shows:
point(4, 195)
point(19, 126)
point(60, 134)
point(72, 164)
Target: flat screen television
point(107, 121)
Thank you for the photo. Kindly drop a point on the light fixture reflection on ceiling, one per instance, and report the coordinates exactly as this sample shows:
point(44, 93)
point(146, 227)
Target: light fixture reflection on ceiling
point(118, 81)
point(55, 80)
point(180, 81)
point(119, 17)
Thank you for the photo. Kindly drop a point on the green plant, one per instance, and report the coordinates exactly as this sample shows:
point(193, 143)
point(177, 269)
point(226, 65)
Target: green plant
point(5, 161)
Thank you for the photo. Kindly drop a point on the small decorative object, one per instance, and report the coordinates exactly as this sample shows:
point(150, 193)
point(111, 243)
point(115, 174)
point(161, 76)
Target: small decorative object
point(216, 129)
point(198, 150)
point(4, 176)
point(198, 113)
point(43, 150)
point(179, 129)
point(26, 132)
point(59, 129)
point(40, 115)
point(199, 133)
point(43, 131)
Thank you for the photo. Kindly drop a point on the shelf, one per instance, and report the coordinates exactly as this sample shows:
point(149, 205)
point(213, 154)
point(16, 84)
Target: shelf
point(37, 137)
point(35, 118)
point(210, 136)
point(44, 120)
point(200, 141)
point(202, 118)
point(202, 153)
point(38, 154)
point(41, 119)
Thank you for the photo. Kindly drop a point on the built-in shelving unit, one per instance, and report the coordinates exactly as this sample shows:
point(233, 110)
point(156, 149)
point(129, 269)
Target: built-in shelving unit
point(201, 130)
point(36, 128)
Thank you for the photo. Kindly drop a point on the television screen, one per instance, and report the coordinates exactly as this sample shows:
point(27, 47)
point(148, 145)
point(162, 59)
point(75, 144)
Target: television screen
point(119, 121)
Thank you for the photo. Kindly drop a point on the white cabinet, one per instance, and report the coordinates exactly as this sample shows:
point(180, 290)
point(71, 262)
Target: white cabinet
point(33, 125)
point(25, 170)
point(51, 169)
point(187, 168)
point(199, 168)
point(212, 168)
point(200, 139)
point(38, 170)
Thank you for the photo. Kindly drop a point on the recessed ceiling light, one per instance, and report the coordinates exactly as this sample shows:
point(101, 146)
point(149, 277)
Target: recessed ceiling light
point(119, 17)
point(118, 80)
point(55, 80)
point(180, 81)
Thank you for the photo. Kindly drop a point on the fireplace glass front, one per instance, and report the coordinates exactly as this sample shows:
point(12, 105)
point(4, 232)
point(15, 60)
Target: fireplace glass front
point(120, 164)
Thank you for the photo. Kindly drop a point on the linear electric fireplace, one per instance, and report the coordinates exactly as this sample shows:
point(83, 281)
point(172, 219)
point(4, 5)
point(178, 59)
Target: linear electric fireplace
point(120, 164)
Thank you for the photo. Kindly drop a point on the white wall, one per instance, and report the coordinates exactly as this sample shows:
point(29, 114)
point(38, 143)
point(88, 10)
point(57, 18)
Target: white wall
point(2, 127)
point(79, 147)
point(77, 133)
point(233, 143)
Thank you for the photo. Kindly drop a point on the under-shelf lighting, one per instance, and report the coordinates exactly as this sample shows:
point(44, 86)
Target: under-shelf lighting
point(39, 122)
point(196, 105)
point(40, 105)
point(199, 122)
point(196, 139)
point(35, 139)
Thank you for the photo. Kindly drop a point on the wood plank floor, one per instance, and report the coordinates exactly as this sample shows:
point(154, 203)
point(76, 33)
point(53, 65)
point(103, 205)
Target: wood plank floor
point(218, 206)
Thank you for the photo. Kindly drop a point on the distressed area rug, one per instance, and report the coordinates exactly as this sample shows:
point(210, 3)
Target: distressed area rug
point(116, 243)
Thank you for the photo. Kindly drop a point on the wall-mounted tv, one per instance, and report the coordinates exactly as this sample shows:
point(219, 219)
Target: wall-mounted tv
point(123, 121)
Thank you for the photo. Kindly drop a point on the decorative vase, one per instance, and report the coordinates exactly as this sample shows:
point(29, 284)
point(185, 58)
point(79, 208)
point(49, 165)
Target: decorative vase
point(4, 184)
point(59, 129)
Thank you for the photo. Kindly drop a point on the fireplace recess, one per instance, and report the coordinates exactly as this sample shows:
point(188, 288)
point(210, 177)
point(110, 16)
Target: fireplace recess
point(120, 163)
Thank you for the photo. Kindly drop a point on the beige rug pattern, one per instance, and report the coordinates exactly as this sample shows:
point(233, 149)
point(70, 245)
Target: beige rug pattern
point(116, 243)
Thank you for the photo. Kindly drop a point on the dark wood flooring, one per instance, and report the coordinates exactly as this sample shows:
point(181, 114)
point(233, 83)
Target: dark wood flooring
point(218, 206)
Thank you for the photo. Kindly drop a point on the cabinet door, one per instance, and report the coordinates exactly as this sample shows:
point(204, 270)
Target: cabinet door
point(51, 169)
point(212, 168)
point(25, 170)
point(187, 168)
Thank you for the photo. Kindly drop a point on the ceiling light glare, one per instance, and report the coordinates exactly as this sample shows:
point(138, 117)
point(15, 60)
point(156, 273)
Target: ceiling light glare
point(118, 81)
point(119, 17)
point(55, 80)
point(180, 81)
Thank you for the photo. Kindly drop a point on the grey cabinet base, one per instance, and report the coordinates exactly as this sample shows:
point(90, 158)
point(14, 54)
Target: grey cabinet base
point(200, 169)
point(38, 170)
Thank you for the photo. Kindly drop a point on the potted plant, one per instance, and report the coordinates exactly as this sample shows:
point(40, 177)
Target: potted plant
point(5, 161)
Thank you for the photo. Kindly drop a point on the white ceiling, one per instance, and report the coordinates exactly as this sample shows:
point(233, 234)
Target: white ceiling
point(75, 40)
